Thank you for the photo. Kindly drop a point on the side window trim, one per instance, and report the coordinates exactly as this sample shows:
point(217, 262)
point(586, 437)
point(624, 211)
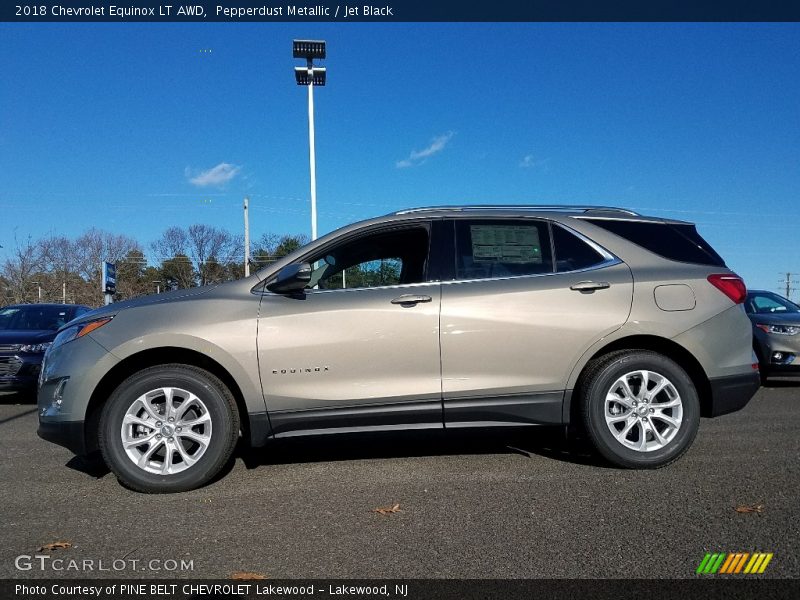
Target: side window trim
point(376, 287)
point(553, 255)
point(602, 265)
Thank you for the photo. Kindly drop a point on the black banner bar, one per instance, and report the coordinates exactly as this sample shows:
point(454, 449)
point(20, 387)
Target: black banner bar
point(398, 11)
point(706, 588)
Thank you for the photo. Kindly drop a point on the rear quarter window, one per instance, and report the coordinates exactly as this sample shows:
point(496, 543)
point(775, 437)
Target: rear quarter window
point(673, 241)
point(572, 253)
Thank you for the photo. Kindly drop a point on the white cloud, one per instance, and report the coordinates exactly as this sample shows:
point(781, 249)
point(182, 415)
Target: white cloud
point(529, 161)
point(417, 157)
point(218, 175)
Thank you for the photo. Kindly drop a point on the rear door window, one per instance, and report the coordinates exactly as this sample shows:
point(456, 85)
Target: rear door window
point(487, 249)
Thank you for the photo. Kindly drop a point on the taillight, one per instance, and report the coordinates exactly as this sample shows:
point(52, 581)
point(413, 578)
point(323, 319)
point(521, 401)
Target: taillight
point(729, 284)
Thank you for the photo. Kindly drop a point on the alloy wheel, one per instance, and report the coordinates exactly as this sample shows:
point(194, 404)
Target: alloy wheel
point(166, 430)
point(643, 410)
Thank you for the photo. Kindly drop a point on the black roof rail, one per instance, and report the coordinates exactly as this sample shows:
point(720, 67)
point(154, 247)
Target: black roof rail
point(532, 207)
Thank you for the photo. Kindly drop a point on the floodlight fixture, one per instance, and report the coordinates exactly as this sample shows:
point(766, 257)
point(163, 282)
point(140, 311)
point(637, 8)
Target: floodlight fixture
point(309, 49)
point(305, 76)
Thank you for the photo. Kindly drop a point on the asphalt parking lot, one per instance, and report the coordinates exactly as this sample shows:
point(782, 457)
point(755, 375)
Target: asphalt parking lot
point(489, 505)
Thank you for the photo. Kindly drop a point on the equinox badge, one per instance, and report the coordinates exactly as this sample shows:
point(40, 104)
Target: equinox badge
point(300, 371)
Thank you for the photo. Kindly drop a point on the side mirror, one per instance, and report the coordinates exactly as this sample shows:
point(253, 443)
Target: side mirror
point(291, 278)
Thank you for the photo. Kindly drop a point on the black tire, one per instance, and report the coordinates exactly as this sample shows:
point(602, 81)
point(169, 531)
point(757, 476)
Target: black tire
point(224, 428)
point(597, 382)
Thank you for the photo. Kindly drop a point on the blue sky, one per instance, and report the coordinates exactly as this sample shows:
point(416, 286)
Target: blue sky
point(136, 127)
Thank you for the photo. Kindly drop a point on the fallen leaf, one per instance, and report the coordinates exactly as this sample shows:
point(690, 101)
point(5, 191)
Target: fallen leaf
point(247, 575)
point(750, 508)
point(55, 546)
point(387, 510)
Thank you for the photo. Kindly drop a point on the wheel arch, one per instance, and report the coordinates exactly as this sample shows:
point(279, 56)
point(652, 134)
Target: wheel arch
point(151, 358)
point(664, 346)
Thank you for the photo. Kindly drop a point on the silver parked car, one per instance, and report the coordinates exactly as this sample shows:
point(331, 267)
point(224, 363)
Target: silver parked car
point(776, 332)
point(629, 326)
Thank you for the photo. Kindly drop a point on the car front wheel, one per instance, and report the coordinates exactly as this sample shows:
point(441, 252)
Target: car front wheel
point(640, 408)
point(168, 428)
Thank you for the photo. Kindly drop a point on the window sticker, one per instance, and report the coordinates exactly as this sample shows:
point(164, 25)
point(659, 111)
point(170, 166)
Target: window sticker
point(506, 243)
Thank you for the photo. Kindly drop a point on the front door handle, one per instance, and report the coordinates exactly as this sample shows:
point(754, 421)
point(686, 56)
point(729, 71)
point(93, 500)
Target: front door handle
point(410, 299)
point(590, 286)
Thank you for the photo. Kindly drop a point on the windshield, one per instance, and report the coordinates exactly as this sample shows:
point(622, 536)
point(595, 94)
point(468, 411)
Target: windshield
point(767, 303)
point(33, 318)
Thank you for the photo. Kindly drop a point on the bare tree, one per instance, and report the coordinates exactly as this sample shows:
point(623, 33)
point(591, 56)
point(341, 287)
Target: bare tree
point(59, 265)
point(96, 246)
point(74, 265)
point(19, 270)
point(177, 270)
point(172, 242)
point(210, 249)
point(272, 246)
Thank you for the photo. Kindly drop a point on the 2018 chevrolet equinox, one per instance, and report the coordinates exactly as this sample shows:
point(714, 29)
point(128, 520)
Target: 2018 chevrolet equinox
point(630, 327)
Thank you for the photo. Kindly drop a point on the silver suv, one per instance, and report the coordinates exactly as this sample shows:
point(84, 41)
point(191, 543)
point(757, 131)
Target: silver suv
point(629, 327)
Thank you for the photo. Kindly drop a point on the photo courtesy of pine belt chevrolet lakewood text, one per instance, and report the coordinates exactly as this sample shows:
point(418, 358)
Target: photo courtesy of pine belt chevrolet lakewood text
point(629, 328)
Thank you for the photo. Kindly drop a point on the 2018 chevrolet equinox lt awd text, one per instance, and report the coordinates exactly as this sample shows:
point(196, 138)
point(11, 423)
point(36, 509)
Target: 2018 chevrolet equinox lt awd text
point(630, 327)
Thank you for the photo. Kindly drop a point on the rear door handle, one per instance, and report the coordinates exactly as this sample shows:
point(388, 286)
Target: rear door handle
point(590, 286)
point(408, 299)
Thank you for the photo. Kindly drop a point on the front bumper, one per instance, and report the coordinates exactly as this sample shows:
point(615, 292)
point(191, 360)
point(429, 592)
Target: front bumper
point(792, 369)
point(69, 434)
point(776, 351)
point(70, 373)
point(732, 393)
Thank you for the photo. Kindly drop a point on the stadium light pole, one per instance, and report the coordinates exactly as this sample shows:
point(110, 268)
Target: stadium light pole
point(246, 238)
point(310, 76)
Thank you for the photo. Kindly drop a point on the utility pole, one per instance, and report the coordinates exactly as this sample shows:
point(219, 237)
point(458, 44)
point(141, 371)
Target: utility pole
point(787, 285)
point(246, 239)
point(64, 293)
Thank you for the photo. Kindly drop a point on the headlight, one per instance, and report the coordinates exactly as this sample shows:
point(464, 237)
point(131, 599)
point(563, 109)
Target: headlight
point(35, 347)
point(79, 330)
point(779, 329)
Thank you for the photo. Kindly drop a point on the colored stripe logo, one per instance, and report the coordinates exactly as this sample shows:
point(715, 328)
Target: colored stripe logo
point(734, 563)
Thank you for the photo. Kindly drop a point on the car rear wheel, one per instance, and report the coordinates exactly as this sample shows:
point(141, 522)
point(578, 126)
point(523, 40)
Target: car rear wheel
point(640, 408)
point(168, 428)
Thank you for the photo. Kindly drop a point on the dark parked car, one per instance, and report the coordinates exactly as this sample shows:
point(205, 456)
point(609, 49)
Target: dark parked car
point(26, 331)
point(776, 332)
